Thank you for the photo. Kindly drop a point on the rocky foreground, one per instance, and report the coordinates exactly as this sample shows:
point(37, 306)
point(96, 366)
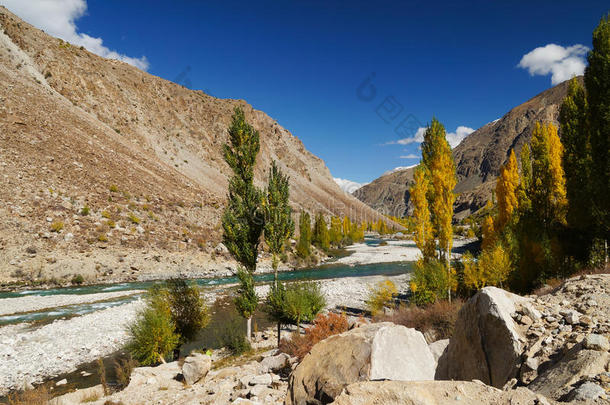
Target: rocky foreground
point(505, 349)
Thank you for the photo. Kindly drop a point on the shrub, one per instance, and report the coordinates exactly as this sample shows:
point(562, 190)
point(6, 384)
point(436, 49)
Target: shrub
point(102, 237)
point(113, 188)
point(39, 396)
point(233, 338)
point(436, 320)
point(85, 211)
point(188, 308)
point(123, 369)
point(111, 224)
point(152, 334)
point(106, 214)
point(303, 301)
point(133, 218)
point(430, 282)
point(57, 226)
point(101, 369)
point(323, 327)
point(381, 295)
point(78, 279)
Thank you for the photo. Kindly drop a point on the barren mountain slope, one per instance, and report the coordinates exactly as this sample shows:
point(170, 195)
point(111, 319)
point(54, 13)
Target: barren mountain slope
point(477, 158)
point(141, 153)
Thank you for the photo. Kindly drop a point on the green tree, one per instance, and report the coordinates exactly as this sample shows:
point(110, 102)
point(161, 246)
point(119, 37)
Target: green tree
point(303, 301)
point(279, 226)
point(423, 236)
point(598, 98)
point(246, 300)
point(304, 244)
point(243, 219)
point(321, 237)
point(335, 231)
point(187, 307)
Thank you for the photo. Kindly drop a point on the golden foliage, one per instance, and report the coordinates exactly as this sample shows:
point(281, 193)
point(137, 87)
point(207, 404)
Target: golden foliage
point(489, 232)
point(421, 213)
point(381, 295)
point(506, 191)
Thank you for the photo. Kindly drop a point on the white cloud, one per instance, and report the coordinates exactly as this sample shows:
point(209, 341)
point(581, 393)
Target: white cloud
point(454, 138)
point(399, 169)
point(347, 185)
point(410, 156)
point(562, 63)
point(58, 18)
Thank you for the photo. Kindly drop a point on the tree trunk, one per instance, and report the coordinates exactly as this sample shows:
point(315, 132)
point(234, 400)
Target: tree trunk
point(449, 272)
point(249, 329)
point(279, 331)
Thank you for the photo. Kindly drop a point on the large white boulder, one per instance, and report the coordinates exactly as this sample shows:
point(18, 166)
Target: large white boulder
point(372, 352)
point(195, 367)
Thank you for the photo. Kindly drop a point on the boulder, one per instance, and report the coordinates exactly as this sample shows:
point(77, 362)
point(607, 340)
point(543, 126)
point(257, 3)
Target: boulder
point(586, 392)
point(438, 348)
point(433, 393)
point(486, 344)
point(274, 363)
point(79, 396)
point(371, 352)
point(195, 367)
point(578, 363)
point(596, 342)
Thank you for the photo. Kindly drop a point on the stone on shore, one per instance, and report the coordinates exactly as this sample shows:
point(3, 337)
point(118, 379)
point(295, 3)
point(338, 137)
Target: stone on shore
point(371, 352)
point(195, 367)
point(433, 393)
point(486, 344)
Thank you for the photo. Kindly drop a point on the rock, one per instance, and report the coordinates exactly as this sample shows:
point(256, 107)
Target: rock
point(195, 367)
point(61, 382)
point(370, 352)
point(274, 363)
point(437, 348)
point(79, 396)
point(486, 344)
point(243, 401)
point(263, 379)
point(221, 249)
point(526, 320)
point(596, 342)
point(68, 237)
point(432, 393)
point(587, 392)
point(577, 363)
point(529, 370)
point(571, 316)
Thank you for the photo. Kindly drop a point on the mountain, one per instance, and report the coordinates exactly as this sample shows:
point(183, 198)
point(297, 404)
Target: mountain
point(347, 185)
point(89, 142)
point(477, 158)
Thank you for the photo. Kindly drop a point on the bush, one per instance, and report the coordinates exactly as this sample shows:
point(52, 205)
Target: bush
point(57, 226)
point(78, 279)
point(436, 320)
point(233, 338)
point(303, 301)
point(85, 211)
point(133, 218)
point(123, 369)
point(152, 335)
point(39, 396)
point(188, 308)
point(381, 295)
point(430, 282)
point(323, 327)
point(113, 188)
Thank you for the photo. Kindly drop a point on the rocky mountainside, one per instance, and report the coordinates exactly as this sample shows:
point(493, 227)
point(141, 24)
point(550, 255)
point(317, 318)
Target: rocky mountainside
point(104, 166)
point(478, 158)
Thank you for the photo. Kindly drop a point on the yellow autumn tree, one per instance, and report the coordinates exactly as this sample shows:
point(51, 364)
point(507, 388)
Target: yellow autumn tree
point(424, 239)
point(506, 191)
point(559, 199)
point(489, 232)
point(346, 226)
point(493, 268)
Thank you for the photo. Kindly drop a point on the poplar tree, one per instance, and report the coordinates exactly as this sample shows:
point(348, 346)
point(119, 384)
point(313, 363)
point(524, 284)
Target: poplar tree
point(438, 160)
point(423, 226)
point(597, 85)
point(243, 218)
point(506, 191)
point(304, 244)
point(335, 231)
point(320, 236)
point(279, 226)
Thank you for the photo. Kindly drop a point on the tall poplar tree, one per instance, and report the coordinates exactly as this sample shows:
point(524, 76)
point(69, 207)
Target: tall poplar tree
point(597, 84)
point(279, 226)
point(335, 231)
point(506, 191)
point(243, 219)
point(304, 244)
point(424, 238)
point(320, 236)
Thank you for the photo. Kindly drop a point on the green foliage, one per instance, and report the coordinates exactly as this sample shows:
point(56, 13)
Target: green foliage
point(232, 337)
point(133, 218)
point(152, 334)
point(334, 233)
point(597, 87)
point(85, 211)
point(188, 309)
point(430, 281)
point(247, 300)
point(77, 279)
point(57, 226)
point(243, 218)
point(304, 244)
point(279, 226)
point(275, 303)
point(381, 295)
point(302, 302)
point(321, 237)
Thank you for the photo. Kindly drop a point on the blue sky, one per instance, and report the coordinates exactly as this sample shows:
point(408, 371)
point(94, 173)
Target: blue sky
point(303, 62)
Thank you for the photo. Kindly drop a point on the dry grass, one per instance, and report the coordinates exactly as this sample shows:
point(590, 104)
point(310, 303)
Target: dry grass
point(37, 396)
point(323, 326)
point(436, 321)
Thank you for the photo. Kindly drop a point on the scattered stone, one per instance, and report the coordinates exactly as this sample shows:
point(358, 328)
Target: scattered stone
point(61, 382)
point(195, 367)
point(586, 392)
point(274, 363)
point(596, 342)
